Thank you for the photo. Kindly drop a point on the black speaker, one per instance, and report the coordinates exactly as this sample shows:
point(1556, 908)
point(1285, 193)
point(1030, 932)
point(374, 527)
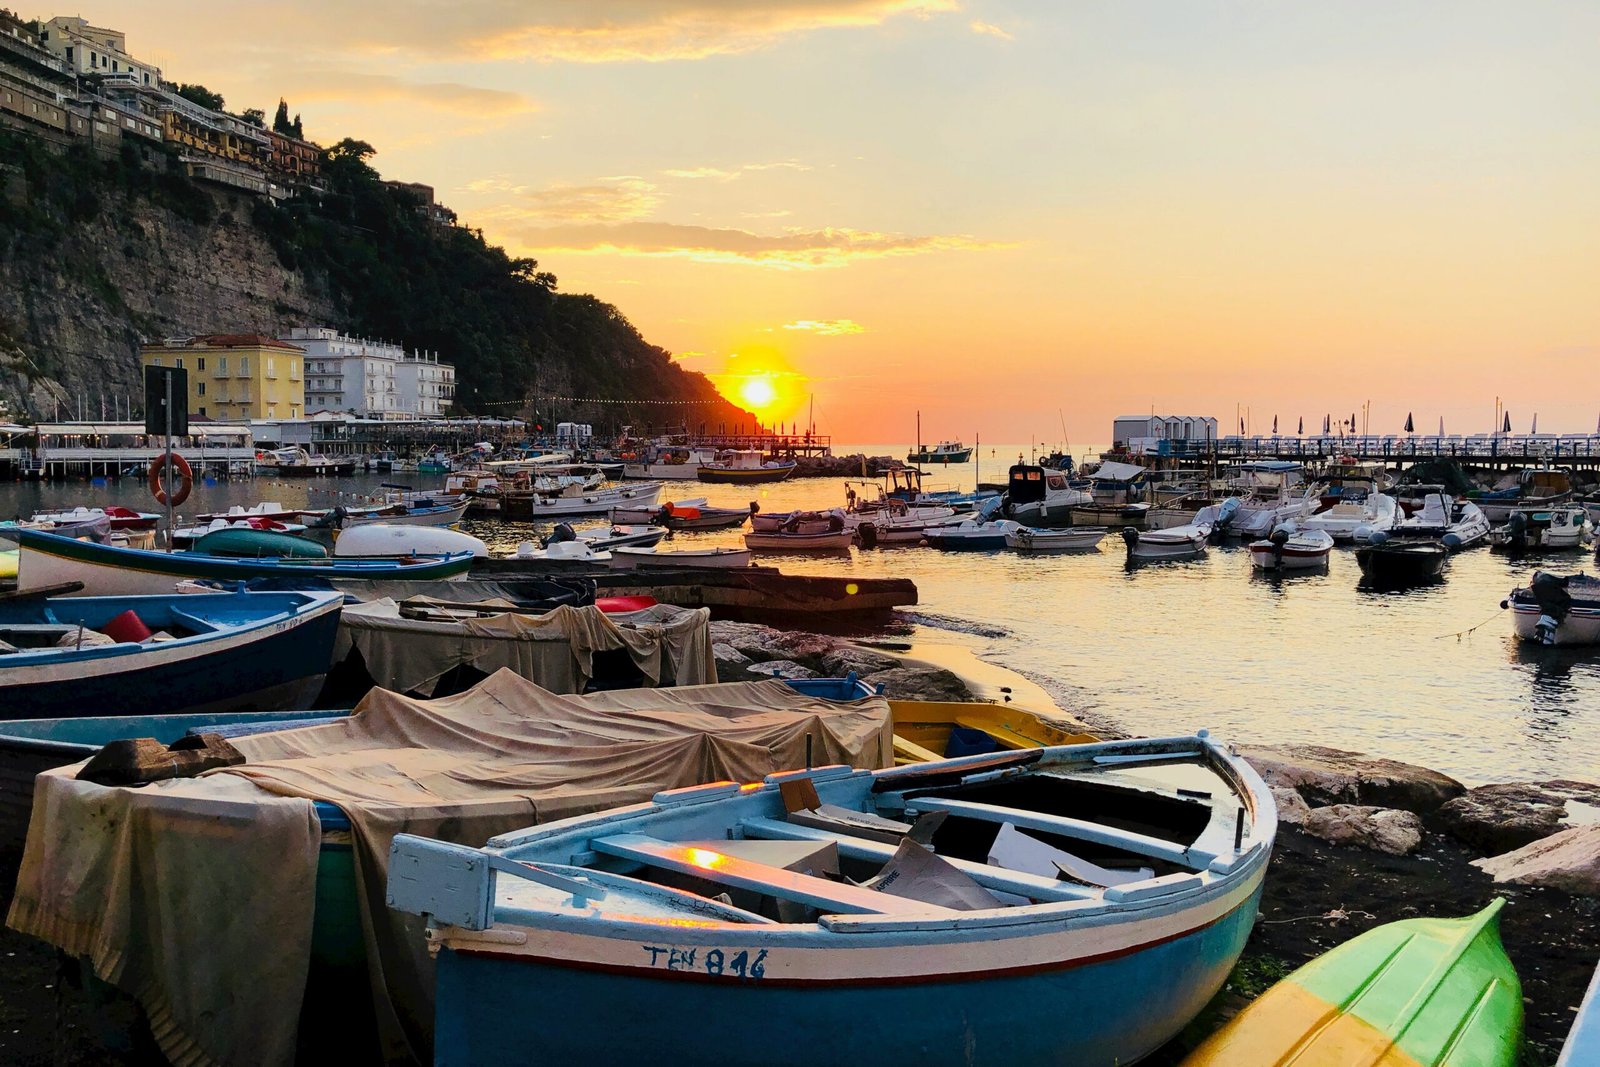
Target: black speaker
point(155, 400)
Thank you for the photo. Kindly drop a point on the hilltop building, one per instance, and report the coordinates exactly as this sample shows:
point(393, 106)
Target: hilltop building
point(426, 206)
point(372, 379)
point(236, 375)
point(96, 50)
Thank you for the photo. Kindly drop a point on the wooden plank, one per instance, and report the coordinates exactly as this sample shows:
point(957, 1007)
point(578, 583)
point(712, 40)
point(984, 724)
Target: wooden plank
point(858, 848)
point(723, 869)
point(1077, 829)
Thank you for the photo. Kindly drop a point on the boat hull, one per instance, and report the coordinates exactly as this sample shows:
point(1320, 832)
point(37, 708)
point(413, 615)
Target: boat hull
point(1580, 627)
point(744, 475)
point(1083, 539)
point(709, 559)
point(444, 515)
point(1400, 568)
point(960, 455)
point(1265, 556)
point(279, 664)
point(833, 541)
point(493, 1005)
point(1134, 515)
point(108, 571)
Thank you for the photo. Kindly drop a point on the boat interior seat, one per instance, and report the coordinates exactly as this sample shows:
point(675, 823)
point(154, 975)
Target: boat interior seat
point(193, 623)
point(699, 862)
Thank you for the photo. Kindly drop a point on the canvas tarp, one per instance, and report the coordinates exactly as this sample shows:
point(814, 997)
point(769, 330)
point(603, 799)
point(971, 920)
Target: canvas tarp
point(1111, 471)
point(668, 644)
point(196, 896)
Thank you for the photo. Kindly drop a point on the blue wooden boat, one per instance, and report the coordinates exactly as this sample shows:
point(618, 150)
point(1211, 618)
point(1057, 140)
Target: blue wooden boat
point(1078, 905)
point(106, 570)
point(971, 535)
point(68, 656)
point(1583, 1040)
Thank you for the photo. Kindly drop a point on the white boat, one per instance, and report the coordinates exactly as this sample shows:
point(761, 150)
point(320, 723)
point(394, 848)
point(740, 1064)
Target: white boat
point(420, 514)
point(1557, 609)
point(578, 500)
point(677, 463)
point(1038, 496)
point(184, 536)
point(644, 514)
point(971, 535)
point(1547, 529)
point(1072, 539)
point(1531, 489)
point(782, 541)
point(907, 527)
point(378, 539)
point(1291, 549)
point(709, 558)
point(564, 551)
point(267, 509)
point(1458, 523)
point(1354, 520)
point(1179, 542)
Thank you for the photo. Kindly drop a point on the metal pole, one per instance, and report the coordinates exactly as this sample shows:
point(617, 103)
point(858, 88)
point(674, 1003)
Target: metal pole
point(166, 470)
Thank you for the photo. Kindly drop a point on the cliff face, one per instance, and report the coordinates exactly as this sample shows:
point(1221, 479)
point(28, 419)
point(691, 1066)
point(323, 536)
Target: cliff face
point(98, 255)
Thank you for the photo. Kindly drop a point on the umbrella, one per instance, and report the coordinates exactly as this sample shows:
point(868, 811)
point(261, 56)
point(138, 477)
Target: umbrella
point(1241, 424)
point(1409, 427)
point(1441, 425)
point(1327, 421)
point(1275, 423)
point(1507, 427)
point(1352, 422)
point(1302, 428)
point(1535, 423)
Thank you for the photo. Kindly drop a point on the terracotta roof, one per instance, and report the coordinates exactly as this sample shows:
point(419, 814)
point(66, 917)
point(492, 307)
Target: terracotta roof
point(231, 340)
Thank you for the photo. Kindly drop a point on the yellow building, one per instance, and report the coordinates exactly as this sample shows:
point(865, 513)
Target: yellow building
point(236, 375)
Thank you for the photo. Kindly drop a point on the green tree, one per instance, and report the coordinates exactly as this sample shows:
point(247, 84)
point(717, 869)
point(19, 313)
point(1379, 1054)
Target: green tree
point(254, 116)
point(199, 94)
point(280, 120)
point(299, 130)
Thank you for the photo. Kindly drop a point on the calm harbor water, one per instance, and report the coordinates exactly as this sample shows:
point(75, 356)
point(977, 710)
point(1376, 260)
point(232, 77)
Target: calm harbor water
point(1432, 676)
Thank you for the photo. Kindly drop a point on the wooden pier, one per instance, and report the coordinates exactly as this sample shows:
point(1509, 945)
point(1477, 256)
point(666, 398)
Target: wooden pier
point(1487, 451)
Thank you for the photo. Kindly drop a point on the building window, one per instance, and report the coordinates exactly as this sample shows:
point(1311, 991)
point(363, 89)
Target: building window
point(200, 363)
point(222, 365)
point(200, 389)
point(177, 361)
point(202, 408)
point(155, 361)
point(272, 367)
point(244, 366)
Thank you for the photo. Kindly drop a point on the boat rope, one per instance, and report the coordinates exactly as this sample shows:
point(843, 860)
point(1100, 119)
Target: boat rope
point(1459, 634)
point(1333, 915)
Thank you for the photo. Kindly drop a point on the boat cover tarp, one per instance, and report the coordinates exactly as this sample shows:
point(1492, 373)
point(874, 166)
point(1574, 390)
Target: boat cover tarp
point(1111, 471)
point(668, 644)
point(196, 895)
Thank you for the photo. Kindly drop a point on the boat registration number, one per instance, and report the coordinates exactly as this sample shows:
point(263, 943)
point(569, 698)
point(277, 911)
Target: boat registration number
point(716, 962)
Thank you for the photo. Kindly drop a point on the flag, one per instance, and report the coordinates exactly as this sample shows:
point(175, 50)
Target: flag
point(1507, 427)
point(1409, 427)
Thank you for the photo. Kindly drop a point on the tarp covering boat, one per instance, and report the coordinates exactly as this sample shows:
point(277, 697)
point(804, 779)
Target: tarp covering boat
point(669, 645)
point(196, 895)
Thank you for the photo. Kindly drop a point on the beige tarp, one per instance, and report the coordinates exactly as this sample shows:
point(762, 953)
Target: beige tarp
point(196, 896)
point(669, 645)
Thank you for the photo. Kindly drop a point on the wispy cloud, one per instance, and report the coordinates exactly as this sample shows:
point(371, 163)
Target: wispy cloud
point(317, 83)
point(826, 327)
point(989, 29)
point(792, 249)
point(728, 174)
point(605, 200)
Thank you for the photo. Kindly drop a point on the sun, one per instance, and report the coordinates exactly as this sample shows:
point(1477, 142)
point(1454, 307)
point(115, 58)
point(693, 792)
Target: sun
point(758, 391)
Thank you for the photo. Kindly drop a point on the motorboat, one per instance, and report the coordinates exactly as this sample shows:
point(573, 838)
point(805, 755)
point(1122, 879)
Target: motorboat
point(1528, 490)
point(745, 465)
point(1073, 539)
point(1550, 529)
point(938, 913)
point(405, 542)
point(1351, 518)
point(1456, 523)
point(160, 654)
point(1111, 514)
point(1292, 549)
point(707, 558)
point(1397, 564)
point(801, 521)
point(644, 514)
point(296, 462)
point(267, 510)
point(118, 518)
point(887, 527)
point(420, 512)
point(1557, 609)
point(578, 499)
point(679, 463)
point(944, 452)
point(1037, 496)
point(49, 559)
point(574, 551)
point(702, 516)
point(1176, 543)
point(971, 535)
point(605, 538)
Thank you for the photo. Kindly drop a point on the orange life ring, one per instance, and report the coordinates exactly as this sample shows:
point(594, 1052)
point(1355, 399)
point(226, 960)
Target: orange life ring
point(185, 479)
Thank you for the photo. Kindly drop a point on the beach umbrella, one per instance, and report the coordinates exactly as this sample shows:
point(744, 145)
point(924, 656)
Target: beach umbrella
point(1535, 423)
point(1507, 427)
point(1352, 422)
point(1409, 427)
point(1275, 423)
point(1302, 428)
point(1441, 425)
point(1327, 421)
point(1241, 424)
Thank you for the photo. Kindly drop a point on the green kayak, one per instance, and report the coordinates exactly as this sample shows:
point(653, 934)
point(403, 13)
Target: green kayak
point(1415, 993)
point(257, 544)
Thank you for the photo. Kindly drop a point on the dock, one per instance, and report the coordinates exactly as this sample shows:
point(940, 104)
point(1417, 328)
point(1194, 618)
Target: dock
point(1570, 452)
point(751, 594)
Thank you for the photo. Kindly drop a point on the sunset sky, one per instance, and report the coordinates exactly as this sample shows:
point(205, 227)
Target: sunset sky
point(993, 211)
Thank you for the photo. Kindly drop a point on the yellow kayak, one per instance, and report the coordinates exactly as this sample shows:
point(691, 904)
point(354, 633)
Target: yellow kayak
point(932, 729)
point(8, 564)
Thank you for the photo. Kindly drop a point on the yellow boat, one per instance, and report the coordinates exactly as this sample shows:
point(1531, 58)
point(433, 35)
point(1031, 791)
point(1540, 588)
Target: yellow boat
point(933, 729)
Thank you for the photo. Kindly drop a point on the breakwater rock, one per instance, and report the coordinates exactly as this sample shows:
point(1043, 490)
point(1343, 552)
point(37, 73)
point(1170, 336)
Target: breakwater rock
point(1323, 776)
point(745, 651)
point(843, 466)
point(1509, 815)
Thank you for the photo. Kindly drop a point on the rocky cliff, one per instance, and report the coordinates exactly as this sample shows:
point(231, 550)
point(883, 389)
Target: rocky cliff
point(97, 255)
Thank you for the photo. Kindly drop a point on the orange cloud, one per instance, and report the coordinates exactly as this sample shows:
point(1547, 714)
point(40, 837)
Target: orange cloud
point(826, 327)
point(346, 86)
point(793, 249)
point(615, 199)
point(989, 29)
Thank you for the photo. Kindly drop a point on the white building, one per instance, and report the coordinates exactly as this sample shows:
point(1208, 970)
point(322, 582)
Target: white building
point(96, 50)
point(1127, 430)
point(371, 379)
point(427, 387)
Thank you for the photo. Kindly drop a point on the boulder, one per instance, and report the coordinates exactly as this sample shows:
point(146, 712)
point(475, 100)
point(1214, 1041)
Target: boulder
point(1503, 817)
point(732, 665)
point(841, 661)
point(800, 645)
point(748, 638)
point(919, 683)
point(1399, 833)
point(1292, 808)
point(1325, 776)
point(781, 668)
point(1568, 861)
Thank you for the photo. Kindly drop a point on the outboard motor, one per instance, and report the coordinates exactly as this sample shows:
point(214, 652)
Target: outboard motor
point(1452, 541)
point(1130, 536)
point(1225, 513)
point(1555, 603)
point(1279, 538)
point(1377, 537)
point(1517, 531)
point(835, 522)
point(868, 533)
point(561, 534)
point(755, 506)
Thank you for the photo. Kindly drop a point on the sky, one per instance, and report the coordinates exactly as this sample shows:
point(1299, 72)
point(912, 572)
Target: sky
point(1019, 218)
